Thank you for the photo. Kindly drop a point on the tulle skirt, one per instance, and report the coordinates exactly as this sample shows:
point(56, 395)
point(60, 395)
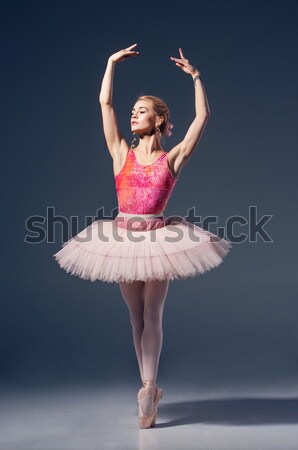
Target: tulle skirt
point(142, 247)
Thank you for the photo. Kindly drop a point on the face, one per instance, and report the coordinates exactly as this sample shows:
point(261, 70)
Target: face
point(143, 117)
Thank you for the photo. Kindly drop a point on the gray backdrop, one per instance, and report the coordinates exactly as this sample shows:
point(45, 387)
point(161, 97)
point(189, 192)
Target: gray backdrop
point(235, 324)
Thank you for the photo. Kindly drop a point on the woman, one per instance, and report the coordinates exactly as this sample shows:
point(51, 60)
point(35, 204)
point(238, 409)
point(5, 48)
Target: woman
point(139, 250)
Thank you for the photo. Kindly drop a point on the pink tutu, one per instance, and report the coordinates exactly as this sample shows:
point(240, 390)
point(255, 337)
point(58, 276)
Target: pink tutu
point(141, 247)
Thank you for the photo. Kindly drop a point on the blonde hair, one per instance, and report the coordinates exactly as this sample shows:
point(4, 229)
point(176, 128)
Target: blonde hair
point(159, 107)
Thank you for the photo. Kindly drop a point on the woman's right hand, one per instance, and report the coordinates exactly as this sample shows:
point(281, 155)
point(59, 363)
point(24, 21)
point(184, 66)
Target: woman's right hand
point(124, 53)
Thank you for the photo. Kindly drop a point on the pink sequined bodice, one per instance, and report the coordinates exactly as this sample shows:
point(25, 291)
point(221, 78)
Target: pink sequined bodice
point(144, 189)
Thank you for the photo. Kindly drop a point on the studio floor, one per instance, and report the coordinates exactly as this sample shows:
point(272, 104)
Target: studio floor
point(105, 417)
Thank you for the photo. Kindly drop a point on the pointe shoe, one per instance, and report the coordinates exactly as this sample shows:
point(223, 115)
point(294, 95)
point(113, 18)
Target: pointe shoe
point(149, 389)
point(159, 393)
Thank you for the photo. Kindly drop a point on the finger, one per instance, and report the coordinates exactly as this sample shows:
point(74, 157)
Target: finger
point(128, 55)
point(181, 54)
point(175, 59)
point(179, 64)
point(133, 45)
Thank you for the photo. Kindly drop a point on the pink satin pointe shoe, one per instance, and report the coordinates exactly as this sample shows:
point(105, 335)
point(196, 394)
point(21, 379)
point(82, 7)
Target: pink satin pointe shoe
point(149, 389)
point(159, 392)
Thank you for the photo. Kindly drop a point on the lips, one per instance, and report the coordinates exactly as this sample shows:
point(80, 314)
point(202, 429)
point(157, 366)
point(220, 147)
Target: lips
point(134, 123)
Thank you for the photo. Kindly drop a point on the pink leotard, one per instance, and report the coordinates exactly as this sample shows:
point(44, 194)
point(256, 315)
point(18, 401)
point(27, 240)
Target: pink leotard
point(144, 189)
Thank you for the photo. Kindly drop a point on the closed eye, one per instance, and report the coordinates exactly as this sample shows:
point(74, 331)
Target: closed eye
point(142, 112)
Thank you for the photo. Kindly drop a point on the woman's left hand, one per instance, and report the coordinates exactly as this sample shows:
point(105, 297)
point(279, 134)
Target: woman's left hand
point(184, 64)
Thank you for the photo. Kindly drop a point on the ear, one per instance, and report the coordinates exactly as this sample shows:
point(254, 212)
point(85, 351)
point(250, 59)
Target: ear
point(160, 121)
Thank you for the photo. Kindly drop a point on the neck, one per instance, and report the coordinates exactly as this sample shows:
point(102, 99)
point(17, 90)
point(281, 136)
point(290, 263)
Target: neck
point(149, 144)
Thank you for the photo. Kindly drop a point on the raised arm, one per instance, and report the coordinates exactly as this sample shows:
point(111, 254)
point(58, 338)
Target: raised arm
point(111, 130)
point(181, 153)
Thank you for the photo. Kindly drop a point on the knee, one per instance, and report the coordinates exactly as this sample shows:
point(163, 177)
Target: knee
point(136, 318)
point(152, 318)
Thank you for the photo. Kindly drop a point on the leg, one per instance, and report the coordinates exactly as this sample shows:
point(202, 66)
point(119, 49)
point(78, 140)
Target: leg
point(154, 298)
point(151, 343)
point(132, 294)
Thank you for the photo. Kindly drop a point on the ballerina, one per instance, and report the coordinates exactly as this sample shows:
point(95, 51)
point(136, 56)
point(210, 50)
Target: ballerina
point(145, 176)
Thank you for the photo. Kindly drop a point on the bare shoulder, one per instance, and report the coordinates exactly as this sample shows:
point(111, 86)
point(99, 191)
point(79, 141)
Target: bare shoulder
point(119, 156)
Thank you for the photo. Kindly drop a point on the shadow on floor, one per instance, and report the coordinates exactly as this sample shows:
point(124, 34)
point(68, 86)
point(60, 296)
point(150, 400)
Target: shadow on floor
point(234, 411)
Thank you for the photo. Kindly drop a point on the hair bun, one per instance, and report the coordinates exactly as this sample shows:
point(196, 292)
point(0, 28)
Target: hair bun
point(167, 130)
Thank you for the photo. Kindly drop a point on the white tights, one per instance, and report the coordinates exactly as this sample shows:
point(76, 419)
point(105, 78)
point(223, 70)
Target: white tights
point(145, 301)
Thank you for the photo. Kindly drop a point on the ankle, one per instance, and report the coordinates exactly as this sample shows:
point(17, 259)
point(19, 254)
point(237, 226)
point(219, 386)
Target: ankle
point(148, 383)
